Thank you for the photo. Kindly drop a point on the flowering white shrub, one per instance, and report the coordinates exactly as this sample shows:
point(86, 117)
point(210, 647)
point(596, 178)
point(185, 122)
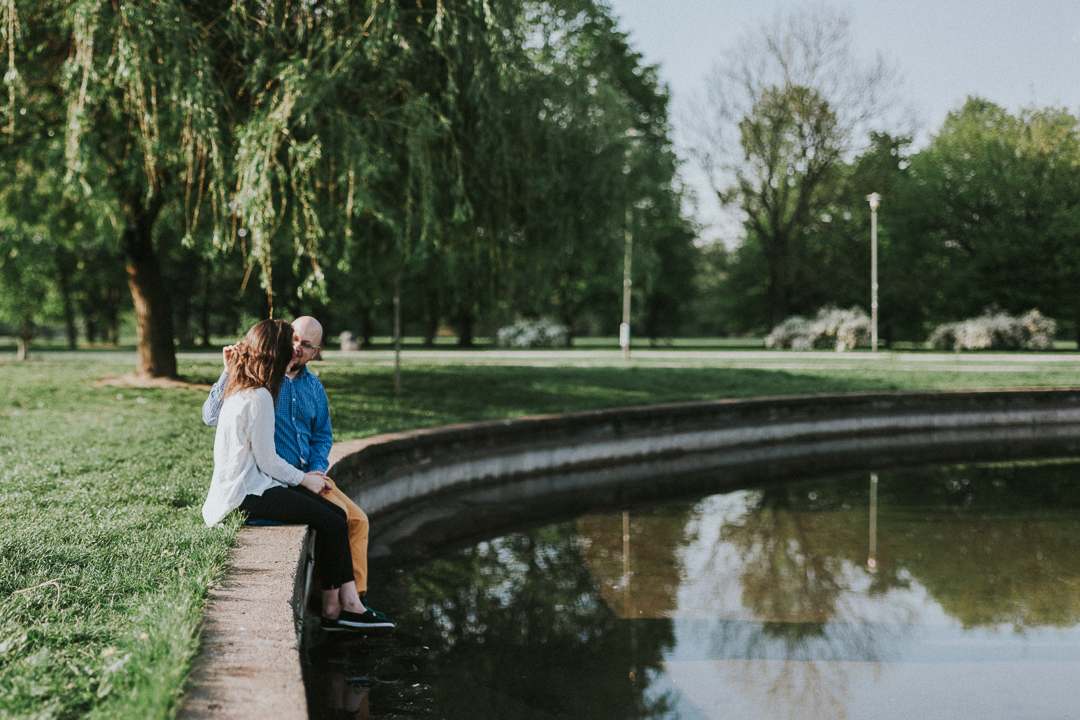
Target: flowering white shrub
point(793, 333)
point(841, 329)
point(831, 328)
point(542, 333)
point(996, 331)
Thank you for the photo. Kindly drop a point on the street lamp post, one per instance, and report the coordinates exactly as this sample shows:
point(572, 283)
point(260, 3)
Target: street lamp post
point(624, 329)
point(875, 203)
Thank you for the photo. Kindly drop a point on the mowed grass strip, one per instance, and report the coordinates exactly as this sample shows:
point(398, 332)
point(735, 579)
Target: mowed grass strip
point(363, 401)
point(105, 563)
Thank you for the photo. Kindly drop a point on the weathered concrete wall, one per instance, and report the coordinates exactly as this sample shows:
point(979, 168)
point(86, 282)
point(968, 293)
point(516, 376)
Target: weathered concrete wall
point(389, 471)
point(249, 663)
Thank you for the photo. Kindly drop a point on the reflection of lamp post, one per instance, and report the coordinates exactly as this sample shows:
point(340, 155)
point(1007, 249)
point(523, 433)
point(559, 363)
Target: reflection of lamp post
point(627, 598)
point(624, 329)
point(871, 561)
point(875, 203)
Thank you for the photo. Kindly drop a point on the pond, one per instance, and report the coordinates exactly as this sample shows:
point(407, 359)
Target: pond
point(949, 592)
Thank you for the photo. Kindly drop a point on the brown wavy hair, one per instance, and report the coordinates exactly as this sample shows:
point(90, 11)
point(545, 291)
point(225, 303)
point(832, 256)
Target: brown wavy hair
point(261, 358)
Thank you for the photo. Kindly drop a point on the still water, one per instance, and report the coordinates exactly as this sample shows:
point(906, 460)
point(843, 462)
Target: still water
point(932, 593)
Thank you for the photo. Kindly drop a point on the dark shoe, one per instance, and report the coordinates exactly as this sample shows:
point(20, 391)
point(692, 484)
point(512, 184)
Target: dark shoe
point(369, 621)
point(330, 625)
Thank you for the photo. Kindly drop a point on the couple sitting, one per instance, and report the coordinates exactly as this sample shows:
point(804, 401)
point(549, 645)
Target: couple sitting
point(270, 460)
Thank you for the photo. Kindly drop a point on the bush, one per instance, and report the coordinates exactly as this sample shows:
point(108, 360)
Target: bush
point(532, 334)
point(996, 331)
point(831, 328)
point(793, 333)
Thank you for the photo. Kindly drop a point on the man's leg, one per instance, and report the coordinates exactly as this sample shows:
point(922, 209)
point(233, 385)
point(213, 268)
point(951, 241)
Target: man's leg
point(358, 535)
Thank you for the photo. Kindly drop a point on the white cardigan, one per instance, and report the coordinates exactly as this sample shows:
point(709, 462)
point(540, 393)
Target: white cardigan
point(245, 459)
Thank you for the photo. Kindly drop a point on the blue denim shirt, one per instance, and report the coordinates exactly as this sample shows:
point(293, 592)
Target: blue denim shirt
point(302, 433)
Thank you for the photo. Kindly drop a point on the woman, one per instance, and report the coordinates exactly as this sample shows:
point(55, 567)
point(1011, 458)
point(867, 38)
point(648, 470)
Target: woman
point(249, 474)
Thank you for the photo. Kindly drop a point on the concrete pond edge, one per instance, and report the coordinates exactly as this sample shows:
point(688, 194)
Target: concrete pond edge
point(249, 662)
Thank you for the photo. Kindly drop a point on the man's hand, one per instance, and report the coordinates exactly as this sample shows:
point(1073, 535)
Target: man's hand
point(316, 482)
point(226, 353)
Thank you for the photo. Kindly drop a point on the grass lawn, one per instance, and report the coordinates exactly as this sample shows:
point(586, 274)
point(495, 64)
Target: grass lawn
point(105, 560)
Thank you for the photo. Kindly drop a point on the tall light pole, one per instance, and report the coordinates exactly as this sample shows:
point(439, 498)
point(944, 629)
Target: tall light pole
point(624, 329)
point(875, 203)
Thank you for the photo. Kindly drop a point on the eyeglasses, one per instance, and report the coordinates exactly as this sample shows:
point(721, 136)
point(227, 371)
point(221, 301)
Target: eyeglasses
point(308, 346)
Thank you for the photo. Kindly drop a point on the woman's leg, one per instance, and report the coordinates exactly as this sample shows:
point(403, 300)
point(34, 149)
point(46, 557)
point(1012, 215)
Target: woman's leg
point(302, 507)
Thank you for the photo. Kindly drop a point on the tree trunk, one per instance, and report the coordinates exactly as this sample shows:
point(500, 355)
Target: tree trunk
point(204, 306)
point(397, 327)
point(24, 339)
point(184, 338)
point(431, 317)
point(465, 328)
point(567, 321)
point(64, 263)
point(777, 297)
point(367, 329)
point(184, 285)
point(153, 314)
point(112, 330)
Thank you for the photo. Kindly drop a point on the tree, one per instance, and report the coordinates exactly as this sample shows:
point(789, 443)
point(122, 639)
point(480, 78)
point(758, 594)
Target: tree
point(593, 141)
point(787, 108)
point(292, 146)
point(988, 213)
point(122, 97)
point(27, 282)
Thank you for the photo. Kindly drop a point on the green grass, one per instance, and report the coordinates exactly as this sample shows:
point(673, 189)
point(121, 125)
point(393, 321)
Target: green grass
point(106, 562)
point(363, 402)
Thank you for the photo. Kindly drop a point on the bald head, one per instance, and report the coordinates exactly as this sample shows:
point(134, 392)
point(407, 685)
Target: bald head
point(307, 338)
point(309, 328)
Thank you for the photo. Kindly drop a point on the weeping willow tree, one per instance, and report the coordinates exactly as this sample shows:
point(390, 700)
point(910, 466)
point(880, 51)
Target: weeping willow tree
point(118, 102)
point(286, 128)
point(475, 147)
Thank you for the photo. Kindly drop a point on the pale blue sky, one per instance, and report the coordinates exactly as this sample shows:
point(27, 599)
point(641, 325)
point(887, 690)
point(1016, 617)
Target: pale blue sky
point(1013, 52)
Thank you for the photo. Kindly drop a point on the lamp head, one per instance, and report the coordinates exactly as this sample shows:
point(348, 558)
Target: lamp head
point(874, 200)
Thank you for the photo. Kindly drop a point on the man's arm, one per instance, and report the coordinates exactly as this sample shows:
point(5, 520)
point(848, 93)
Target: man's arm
point(212, 407)
point(322, 436)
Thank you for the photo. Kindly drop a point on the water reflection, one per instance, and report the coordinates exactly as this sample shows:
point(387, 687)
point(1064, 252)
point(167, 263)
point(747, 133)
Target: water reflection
point(758, 603)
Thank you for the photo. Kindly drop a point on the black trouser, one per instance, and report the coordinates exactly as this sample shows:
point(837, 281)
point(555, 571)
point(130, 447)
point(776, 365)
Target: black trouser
point(300, 506)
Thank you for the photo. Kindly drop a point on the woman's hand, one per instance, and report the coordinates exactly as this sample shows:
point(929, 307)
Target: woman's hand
point(316, 483)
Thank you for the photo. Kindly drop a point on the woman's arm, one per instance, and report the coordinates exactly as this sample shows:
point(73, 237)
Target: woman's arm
point(261, 433)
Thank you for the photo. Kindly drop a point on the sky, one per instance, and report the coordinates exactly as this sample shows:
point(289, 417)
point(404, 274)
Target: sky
point(1016, 53)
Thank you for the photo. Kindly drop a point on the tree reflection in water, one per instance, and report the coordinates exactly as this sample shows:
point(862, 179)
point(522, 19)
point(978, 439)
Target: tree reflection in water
point(512, 627)
point(789, 562)
point(991, 547)
point(760, 598)
point(995, 546)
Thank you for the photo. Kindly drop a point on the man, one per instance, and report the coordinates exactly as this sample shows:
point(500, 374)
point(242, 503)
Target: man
point(303, 437)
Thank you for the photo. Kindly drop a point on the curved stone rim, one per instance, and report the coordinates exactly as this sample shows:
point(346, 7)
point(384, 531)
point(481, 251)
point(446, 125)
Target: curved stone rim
point(387, 472)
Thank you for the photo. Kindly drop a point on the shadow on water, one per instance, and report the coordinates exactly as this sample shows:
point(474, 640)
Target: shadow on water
point(759, 601)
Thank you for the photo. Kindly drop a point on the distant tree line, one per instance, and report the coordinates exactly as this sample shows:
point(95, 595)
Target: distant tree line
point(986, 216)
point(455, 165)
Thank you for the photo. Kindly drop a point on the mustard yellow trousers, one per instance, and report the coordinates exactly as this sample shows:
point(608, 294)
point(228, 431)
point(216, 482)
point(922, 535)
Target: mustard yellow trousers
point(358, 535)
